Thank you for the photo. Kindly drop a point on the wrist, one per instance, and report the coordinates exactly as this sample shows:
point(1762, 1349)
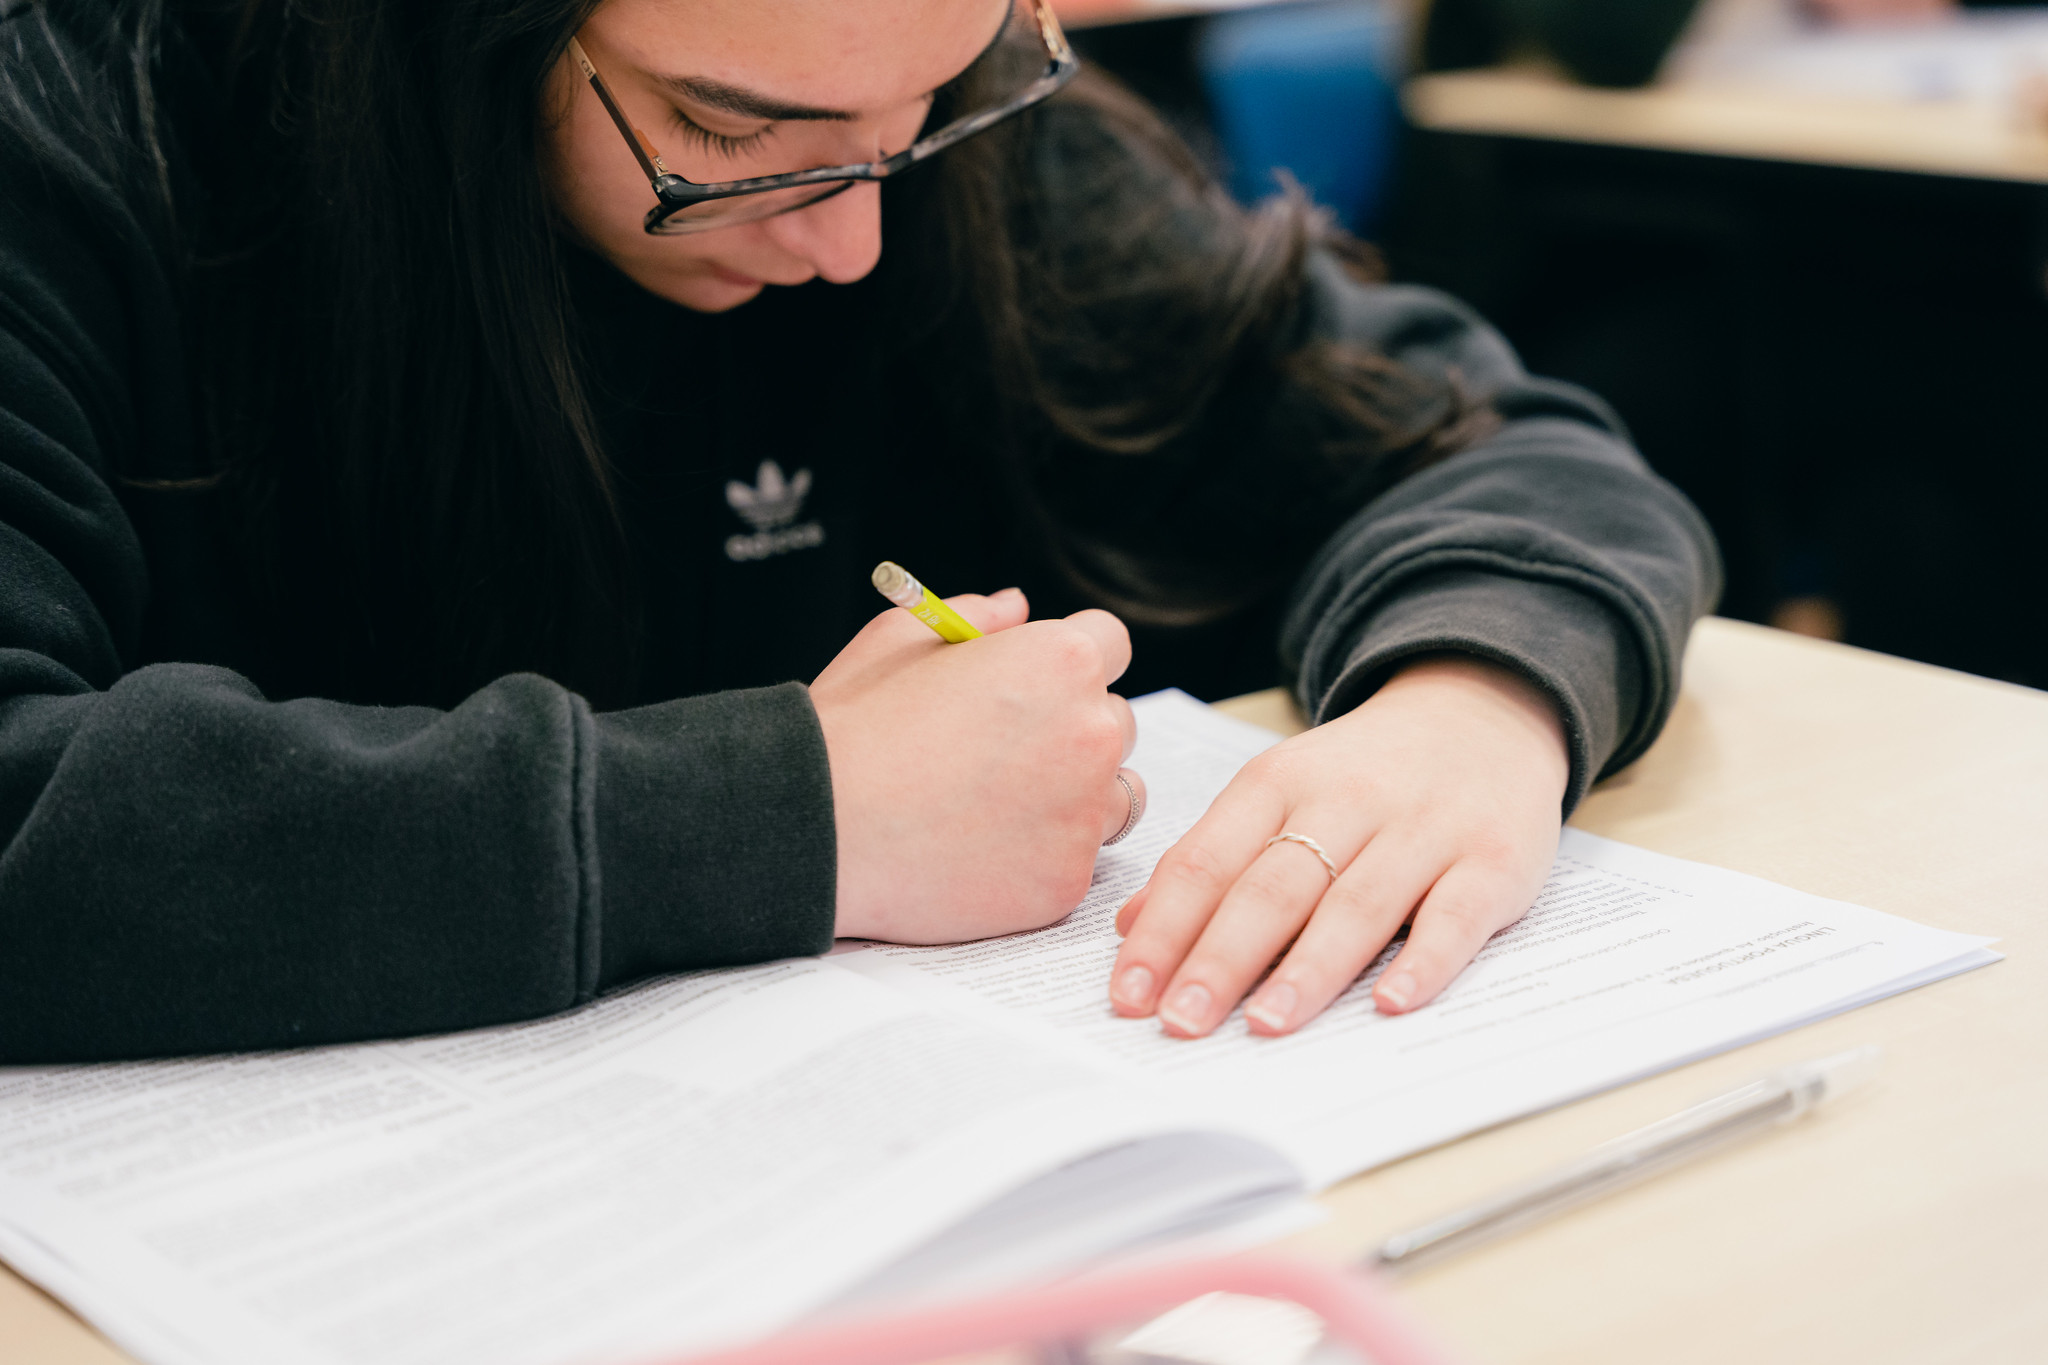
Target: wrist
point(1486, 692)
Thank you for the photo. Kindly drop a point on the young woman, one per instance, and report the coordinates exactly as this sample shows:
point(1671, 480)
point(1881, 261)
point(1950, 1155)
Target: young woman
point(418, 489)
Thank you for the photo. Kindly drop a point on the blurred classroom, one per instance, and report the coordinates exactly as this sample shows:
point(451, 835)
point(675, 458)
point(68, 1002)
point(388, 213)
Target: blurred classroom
point(1801, 246)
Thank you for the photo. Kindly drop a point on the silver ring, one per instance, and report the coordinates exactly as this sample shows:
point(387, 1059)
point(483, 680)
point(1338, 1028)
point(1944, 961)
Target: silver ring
point(1309, 844)
point(1137, 811)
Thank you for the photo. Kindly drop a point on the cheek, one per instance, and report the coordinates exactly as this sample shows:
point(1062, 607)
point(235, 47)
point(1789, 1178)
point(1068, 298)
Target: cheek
point(596, 183)
point(598, 188)
point(903, 129)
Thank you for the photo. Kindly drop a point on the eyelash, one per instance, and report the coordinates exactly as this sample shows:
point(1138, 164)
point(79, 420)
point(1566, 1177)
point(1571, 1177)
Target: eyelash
point(720, 143)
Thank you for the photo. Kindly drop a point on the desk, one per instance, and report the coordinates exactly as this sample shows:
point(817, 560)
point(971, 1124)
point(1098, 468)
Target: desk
point(1957, 139)
point(1908, 1223)
point(1792, 301)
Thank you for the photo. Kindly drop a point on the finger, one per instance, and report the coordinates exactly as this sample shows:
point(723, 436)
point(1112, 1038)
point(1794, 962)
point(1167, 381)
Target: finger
point(1127, 721)
point(1259, 917)
point(1185, 889)
point(1129, 911)
point(1126, 806)
point(997, 611)
point(1352, 925)
point(1110, 637)
point(893, 635)
point(1467, 906)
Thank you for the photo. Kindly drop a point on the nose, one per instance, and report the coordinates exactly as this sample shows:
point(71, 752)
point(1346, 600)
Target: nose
point(840, 237)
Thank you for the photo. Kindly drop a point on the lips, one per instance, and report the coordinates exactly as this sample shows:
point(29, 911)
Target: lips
point(734, 278)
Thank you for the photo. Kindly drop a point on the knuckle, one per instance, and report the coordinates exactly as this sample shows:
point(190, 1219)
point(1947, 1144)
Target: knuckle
point(1491, 853)
point(1349, 902)
point(1461, 914)
point(1098, 737)
point(1265, 881)
point(1211, 969)
point(1097, 623)
point(1049, 894)
point(1319, 969)
point(1278, 770)
point(1072, 886)
point(1313, 964)
point(1193, 867)
point(1069, 653)
point(1266, 767)
point(1097, 614)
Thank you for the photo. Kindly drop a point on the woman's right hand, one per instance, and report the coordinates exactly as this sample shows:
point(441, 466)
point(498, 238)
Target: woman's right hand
point(973, 784)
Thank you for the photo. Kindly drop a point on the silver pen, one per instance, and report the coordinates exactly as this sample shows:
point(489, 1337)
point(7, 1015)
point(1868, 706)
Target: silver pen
point(1775, 1098)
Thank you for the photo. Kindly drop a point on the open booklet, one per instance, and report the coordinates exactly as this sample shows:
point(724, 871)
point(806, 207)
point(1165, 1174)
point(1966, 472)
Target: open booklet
point(706, 1157)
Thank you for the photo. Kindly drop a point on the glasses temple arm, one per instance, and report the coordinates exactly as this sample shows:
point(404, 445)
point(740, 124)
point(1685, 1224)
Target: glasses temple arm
point(643, 150)
point(1049, 31)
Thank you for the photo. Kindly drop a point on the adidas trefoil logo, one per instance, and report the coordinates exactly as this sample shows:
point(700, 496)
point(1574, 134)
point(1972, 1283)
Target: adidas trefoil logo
point(774, 501)
point(769, 505)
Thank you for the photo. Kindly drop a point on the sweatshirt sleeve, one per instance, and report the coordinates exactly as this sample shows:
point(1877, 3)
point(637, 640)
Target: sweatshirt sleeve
point(186, 866)
point(1548, 546)
point(1545, 544)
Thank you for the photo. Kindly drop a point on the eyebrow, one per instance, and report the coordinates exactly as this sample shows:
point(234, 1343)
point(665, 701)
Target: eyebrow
point(744, 103)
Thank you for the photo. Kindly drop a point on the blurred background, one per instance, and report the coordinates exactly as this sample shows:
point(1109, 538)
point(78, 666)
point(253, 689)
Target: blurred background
point(1801, 245)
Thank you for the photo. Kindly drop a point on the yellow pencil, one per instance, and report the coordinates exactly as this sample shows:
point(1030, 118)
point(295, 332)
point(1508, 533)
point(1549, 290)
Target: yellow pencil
point(895, 583)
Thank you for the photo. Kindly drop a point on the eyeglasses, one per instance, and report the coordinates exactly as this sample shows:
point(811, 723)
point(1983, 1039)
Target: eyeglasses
point(685, 207)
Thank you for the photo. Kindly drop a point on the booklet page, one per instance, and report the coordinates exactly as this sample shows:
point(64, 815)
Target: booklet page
point(1630, 962)
point(693, 1160)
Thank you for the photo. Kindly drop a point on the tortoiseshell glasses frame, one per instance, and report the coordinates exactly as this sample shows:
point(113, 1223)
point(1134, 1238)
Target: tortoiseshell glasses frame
point(685, 207)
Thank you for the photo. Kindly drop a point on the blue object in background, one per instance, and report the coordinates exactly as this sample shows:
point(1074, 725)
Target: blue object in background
point(1311, 89)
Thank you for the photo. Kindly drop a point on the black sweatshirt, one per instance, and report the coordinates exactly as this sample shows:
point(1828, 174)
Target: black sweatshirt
point(202, 853)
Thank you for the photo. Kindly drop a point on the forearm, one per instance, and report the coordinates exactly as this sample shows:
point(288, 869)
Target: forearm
point(1548, 548)
point(194, 868)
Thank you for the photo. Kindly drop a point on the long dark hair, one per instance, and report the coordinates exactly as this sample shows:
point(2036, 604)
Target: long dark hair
point(394, 382)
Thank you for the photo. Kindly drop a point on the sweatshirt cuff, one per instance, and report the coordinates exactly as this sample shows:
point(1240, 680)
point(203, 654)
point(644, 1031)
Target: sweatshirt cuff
point(1561, 639)
point(714, 833)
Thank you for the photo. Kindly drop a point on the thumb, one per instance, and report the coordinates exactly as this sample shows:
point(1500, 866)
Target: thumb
point(999, 611)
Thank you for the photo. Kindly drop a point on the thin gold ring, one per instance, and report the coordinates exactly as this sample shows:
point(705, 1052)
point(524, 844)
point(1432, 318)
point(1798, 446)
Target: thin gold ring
point(1309, 844)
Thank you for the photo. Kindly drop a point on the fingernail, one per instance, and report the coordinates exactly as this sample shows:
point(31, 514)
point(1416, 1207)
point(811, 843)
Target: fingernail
point(1396, 990)
point(1273, 1006)
point(1188, 1011)
point(1134, 987)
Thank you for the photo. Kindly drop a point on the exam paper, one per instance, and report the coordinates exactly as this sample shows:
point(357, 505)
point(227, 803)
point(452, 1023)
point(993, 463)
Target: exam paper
point(707, 1157)
point(1629, 963)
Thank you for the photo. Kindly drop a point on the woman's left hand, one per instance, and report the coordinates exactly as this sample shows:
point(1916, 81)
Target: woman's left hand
point(1439, 798)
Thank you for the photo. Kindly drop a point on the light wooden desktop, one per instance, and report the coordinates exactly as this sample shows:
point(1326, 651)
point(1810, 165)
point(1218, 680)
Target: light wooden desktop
point(1906, 1223)
point(1910, 1222)
point(1957, 139)
point(1934, 138)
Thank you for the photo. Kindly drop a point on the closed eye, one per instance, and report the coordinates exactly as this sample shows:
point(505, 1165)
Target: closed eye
point(724, 144)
